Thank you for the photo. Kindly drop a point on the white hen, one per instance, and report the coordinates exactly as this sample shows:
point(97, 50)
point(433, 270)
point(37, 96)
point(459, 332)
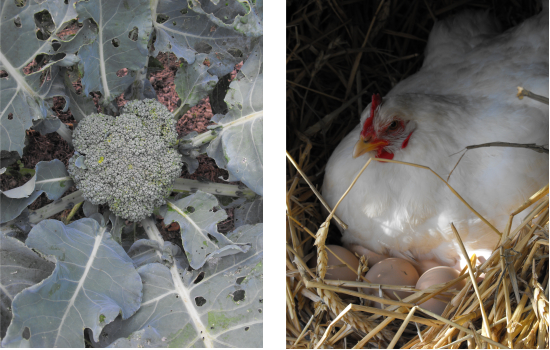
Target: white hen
point(464, 94)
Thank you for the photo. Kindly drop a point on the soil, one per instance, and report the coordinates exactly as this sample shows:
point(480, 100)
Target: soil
point(52, 146)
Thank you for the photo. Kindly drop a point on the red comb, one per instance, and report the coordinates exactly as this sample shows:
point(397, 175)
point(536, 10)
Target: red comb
point(376, 100)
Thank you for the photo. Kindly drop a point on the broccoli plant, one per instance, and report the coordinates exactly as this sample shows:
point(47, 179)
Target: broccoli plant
point(110, 278)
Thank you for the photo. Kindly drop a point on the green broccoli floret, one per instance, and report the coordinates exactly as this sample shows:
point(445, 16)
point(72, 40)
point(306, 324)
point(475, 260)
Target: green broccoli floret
point(130, 162)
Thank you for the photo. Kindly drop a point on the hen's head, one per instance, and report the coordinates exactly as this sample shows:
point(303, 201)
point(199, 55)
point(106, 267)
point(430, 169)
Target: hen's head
point(385, 133)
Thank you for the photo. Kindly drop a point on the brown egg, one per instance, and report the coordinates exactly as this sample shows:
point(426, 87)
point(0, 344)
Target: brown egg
point(393, 271)
point(424, 265)
point(438, 275)
point(372, 257)
point(339, 273)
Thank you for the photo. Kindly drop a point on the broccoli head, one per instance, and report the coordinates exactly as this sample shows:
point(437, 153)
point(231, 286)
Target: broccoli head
point(129, 162)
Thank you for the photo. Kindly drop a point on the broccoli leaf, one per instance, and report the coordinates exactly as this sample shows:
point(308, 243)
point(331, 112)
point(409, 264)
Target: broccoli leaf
point(50, 177)
point(12, 207)
point(252, 23)
point(20, 268)
point(219, 305)
point(184, 28)
point(89, 209)
point(81, 105)
point(249, 213)
point(123, 31)
point(94, 280)
point(193, 82)
point(144, 338)
point(239, 145)
point(226, 11)
point(22, 97)
point(189, 152)
point(117, 225)
point(199, 233)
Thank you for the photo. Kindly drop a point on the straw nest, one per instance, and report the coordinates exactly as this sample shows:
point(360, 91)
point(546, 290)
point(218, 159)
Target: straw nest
point(338, 53)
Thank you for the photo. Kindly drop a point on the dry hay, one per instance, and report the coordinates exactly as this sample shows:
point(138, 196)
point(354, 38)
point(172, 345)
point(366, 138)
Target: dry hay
point(331, 72)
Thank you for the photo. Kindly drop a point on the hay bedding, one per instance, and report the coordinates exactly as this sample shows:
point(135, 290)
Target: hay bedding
point(338, 53)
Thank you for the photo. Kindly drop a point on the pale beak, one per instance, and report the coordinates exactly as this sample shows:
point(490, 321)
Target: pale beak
point(366, 145)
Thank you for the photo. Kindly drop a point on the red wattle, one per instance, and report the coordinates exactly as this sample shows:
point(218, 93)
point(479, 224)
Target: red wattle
point(384, 154)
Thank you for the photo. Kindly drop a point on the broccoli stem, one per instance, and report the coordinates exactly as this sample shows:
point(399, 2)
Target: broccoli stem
point(203, 138)
point(35, 216)
point(72, 213)
point(187, 185)
point(210, 135)
point(152, 232)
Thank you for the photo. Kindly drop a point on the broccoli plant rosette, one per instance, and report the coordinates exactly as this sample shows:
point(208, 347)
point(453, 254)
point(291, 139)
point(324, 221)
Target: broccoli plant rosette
point(129, 162)
point(113, 278)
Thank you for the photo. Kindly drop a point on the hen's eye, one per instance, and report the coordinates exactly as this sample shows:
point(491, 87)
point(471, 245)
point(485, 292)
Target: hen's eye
point(393, 125)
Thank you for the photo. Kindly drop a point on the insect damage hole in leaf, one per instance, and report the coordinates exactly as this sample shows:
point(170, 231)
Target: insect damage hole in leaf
point(40, 36)
point(45, 76)
point(190, 209)
point(44, 23)
point(199, 278)
point(246, 329)
point(240, 280)
point(17, 22)
point(10, 116)
point(238, 295)
point(200, 301)
point(26, 333)
point(133, 34)
point(162, 18)
point(20, 3)
point(4, 74)
point(235, 52)
point(115, 42)
point(122, 72)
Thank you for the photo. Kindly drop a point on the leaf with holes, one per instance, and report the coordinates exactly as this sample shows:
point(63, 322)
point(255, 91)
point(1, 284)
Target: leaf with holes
point(219, 305)
point(81, 105)
point(239, 145)
point(193, 82)
point(28, 36)
point(198, 227)
point(94, 280)
point(123, 31)
point(20, 268)
point(184, 28)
